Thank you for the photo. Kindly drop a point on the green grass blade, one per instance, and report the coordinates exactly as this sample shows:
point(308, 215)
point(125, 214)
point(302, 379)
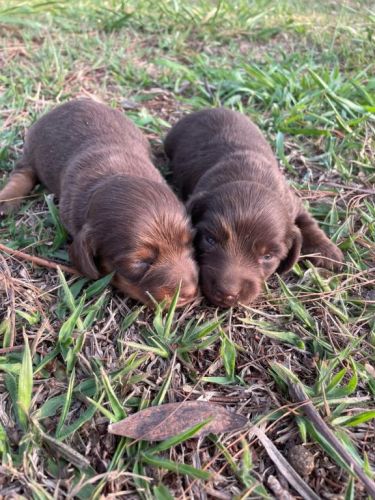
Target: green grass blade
point(68, 296)
point(86, 416)
point(131, 318)
point(353, 421)
point(25, 386)
point(180, 438)
point(111, 416)
point(165, 386)
point(268, 330)
point(6, 332)
point(163, 463)
point(65, 334)
point(116, 406)
point(170, 314)
point(98, 286)
point(156, 350)
point(228, 354)
point(61, 233)
point(67, 403)
point(350, 491)
point(297, 307)
point(161, 492)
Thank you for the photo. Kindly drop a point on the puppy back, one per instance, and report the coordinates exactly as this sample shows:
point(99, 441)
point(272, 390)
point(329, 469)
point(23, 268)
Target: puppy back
point(218, 129)
point(201, 140)
point(75, 128)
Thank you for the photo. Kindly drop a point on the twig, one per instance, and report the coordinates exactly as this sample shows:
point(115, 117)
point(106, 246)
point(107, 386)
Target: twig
point(351, 188)
point(63, 449)
point(38, 335)
point(279, 492)
point(38, 261)
point(7, 350)
point(312, 414)
point(283, 466)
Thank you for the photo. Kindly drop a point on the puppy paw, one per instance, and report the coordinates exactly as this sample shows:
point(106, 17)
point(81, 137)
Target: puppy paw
point(327, 255)
point(8, 207)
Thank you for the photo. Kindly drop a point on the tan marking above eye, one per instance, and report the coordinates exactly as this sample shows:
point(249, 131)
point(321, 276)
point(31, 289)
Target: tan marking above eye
point(225, 231)
point(268, 249)
point(186, 240)
point(183, 236)
point(143, 254)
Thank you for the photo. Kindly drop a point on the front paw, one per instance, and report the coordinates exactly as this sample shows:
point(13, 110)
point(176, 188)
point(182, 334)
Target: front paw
point(326, 255)
point(8, 207)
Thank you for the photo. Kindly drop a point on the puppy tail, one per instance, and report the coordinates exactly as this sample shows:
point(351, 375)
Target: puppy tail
point(21, 181)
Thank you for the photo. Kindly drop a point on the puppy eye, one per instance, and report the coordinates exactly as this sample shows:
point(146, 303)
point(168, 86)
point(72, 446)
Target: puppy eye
point(267, 257)
point(142, 266)
point(209, 240)
point(139, 268)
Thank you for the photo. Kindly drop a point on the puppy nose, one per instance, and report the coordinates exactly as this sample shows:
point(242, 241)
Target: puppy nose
point(188, 291)
point(227, 297)
point(231, 299)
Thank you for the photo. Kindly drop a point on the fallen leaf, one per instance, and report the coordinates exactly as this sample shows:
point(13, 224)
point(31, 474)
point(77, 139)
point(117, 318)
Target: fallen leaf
point(162, 422)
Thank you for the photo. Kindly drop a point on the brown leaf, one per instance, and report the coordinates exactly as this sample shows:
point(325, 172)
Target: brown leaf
point(162, 422)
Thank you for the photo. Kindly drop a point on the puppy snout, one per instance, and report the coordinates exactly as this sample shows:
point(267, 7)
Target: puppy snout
point(189, 288)
point(227, 296)
point(189, 282)
point(250, 290)
point(188, 291)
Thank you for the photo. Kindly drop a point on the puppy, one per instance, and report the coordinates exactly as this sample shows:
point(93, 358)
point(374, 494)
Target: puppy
point(249, 223)
point(121, 214)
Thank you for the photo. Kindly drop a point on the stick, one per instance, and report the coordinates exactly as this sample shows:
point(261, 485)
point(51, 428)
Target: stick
point(312, 414)
point(280, 492)
point(351, 188)
point(38, 261)
point(283, 466)
point(7, 350)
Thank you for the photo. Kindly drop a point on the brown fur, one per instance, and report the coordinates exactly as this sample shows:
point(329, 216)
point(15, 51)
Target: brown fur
point(249, 223)
point(115, 204)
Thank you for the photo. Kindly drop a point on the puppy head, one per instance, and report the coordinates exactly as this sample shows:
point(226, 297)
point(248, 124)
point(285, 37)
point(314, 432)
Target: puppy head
point(137, 229)
point(243, 236)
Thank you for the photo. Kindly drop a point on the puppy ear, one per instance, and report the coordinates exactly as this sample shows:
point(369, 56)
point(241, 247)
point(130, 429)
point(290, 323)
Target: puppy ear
point(294, 243)
point(196, 205)
point(82, 251)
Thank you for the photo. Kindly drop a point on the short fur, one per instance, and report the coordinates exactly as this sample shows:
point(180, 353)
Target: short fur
point(114, 203)
point(249, 223)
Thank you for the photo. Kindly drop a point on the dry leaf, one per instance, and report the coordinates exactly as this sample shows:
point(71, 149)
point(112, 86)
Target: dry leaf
point(162, 422)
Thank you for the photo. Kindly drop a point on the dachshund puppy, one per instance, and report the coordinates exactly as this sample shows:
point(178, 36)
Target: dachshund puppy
point(249, 223)
point(121, 214)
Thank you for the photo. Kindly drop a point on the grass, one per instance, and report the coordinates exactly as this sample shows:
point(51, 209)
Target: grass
point(75, 355)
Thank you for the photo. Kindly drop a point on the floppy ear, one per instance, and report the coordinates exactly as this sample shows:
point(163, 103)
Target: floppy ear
point(82, 251)
point(294, 245)
point(196, 205)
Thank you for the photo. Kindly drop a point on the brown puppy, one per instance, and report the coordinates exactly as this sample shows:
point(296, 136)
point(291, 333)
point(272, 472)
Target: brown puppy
point(249, 223)
point(115, 204)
